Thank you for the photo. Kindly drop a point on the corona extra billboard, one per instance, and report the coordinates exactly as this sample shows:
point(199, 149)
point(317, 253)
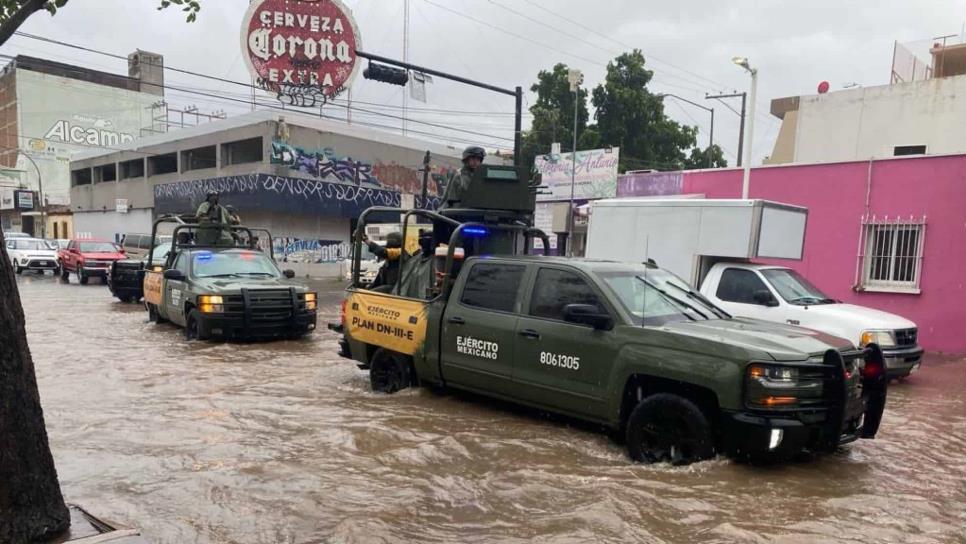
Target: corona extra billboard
point(301, 51)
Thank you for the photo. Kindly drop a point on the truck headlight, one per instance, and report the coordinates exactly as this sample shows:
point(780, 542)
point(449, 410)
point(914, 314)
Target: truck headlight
point(311, 301)
point(772, 386)
point(885, 339)
point(211, 304)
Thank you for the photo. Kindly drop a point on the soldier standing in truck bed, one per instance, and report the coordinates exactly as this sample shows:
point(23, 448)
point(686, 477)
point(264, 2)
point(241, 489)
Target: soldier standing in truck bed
point(213, 223)
point(453, 194)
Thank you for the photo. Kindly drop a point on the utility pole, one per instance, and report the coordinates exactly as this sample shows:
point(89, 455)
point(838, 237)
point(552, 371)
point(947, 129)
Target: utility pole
point(405, 99)
point(707, 109)
point(741, 128)
point(743, 62)
point(575, 77)
point(43, 202)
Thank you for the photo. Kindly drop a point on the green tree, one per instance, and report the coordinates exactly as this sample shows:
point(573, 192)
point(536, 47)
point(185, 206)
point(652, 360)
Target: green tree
point(13, 13)
point(699, 158)
point(31, 505)
point(632, 117)
point(553, 114)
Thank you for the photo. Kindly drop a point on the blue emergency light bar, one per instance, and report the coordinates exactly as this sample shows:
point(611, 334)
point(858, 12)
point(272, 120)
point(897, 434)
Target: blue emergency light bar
point(474, 231)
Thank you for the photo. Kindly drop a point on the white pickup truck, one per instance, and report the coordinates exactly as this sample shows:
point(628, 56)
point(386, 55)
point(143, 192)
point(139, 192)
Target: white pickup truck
point(710, 243)
point(775, 293)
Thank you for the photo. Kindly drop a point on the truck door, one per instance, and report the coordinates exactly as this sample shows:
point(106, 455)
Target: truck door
point(479, 327)
point(742, 293)
point(561, 364)
point(174, 291)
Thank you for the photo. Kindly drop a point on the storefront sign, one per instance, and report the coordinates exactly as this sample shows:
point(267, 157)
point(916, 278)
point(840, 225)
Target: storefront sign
point(303, 51)
point(595, 175)
point(24, 199)
point(120, 205)
point(6, 198)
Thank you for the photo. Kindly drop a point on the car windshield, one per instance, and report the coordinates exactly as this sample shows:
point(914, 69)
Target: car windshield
point(794, 288)
point(654, 297)
point(32, 245)
point(207, 264)
point(97, 247)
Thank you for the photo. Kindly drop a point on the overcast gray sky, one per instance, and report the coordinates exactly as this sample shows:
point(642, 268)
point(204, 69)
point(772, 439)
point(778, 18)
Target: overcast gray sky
point(688, 44)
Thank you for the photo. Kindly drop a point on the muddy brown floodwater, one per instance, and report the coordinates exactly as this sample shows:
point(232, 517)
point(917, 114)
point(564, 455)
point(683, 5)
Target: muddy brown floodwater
point(284, 442)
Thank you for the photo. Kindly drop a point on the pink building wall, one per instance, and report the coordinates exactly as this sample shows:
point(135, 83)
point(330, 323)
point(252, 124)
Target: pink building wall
point(835, 195)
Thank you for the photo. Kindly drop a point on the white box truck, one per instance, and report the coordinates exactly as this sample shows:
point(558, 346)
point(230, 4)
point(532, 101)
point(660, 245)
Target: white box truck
point(710, 243)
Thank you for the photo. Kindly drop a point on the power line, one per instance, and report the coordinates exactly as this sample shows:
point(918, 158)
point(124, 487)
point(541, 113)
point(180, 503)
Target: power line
point(248, 85)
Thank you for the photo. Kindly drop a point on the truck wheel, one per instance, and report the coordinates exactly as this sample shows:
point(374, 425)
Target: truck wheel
point(389, 372)
point(667, 427)
point(192, 326)
point(84, 278)
point(16, 268)
point(64, 274)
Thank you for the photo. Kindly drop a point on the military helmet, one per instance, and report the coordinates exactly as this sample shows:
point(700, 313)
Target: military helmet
point(394, 240)
point(474, 151)
point(210, 194)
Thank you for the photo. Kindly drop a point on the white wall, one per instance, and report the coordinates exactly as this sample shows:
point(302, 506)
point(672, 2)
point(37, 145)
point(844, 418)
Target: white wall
point(108, 224)
point(857, 124)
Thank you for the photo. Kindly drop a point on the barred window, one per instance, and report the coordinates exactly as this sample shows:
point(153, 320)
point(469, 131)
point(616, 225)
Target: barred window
point(891, 254)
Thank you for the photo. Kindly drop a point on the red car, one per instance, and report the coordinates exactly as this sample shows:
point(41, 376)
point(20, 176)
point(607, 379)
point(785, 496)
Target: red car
point(88, 258)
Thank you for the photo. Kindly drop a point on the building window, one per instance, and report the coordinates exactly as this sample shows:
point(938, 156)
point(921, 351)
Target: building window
point(163, 164)
point(198, 159)
point(81, 177)
point(107, 172)
point(132, 169)
point(901, 150)
point(241, 152)
point(891, 258)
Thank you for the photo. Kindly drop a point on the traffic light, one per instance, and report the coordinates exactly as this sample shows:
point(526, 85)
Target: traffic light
point(386, 74)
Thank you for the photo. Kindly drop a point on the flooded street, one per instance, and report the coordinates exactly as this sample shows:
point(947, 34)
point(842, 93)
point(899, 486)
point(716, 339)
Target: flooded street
point(284, 442)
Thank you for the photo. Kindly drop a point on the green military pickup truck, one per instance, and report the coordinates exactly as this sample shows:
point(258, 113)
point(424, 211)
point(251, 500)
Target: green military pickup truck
point(226, 291)
point(628, 346)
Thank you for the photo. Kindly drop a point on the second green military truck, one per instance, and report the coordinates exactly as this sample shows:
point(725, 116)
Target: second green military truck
point(629, 346)
point(225, 291)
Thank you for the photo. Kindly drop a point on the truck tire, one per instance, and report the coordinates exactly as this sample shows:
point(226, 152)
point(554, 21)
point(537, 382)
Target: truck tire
point(64, 274)
point(668, 427)
point(82, 277)
point(16, 268)
point(389, 371)
point(192, 326)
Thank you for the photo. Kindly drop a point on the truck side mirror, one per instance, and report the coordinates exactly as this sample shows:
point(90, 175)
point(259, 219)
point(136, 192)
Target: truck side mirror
point(288, 273)
point(587, 314)
point(173, 274)
point(765, 298)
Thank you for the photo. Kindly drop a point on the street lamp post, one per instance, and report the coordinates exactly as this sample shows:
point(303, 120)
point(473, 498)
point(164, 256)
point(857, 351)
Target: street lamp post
point(43, 203)
point(705, 108)
point(743, 62)
point(575, 77)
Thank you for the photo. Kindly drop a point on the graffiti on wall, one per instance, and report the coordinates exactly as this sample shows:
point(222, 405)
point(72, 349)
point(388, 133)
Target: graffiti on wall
point(274, 193)
point(325, 164)
point(300, 250)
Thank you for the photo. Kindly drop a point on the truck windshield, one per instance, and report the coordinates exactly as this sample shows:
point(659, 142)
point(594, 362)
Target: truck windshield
point(97, 247)
point(654, 297)
point(232, 263)
point(794, 288)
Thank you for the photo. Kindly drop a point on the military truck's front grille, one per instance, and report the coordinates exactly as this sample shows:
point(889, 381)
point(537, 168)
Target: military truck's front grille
point(270, 304)
point(906, 337)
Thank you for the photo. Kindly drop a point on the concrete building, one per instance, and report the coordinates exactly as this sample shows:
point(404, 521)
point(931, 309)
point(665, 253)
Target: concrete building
point(304, 178)
point(50, 110)
point(920, 112)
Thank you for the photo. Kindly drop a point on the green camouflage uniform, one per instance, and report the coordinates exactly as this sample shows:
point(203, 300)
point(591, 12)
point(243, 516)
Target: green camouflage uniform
point(213, 231)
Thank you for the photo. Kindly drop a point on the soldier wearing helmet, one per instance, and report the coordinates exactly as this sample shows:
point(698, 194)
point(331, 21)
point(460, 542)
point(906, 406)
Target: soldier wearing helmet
point(213, 222)
point(391, 256)
point(472, 159)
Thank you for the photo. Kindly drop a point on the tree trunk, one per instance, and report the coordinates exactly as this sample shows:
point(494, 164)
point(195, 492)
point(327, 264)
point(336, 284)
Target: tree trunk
point(27, 9)
point(31, 505)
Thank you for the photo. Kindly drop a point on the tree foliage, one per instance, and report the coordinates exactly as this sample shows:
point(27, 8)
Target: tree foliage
point(553, 114)
point(699, 158)
point(627, 115)
point(13, 13)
